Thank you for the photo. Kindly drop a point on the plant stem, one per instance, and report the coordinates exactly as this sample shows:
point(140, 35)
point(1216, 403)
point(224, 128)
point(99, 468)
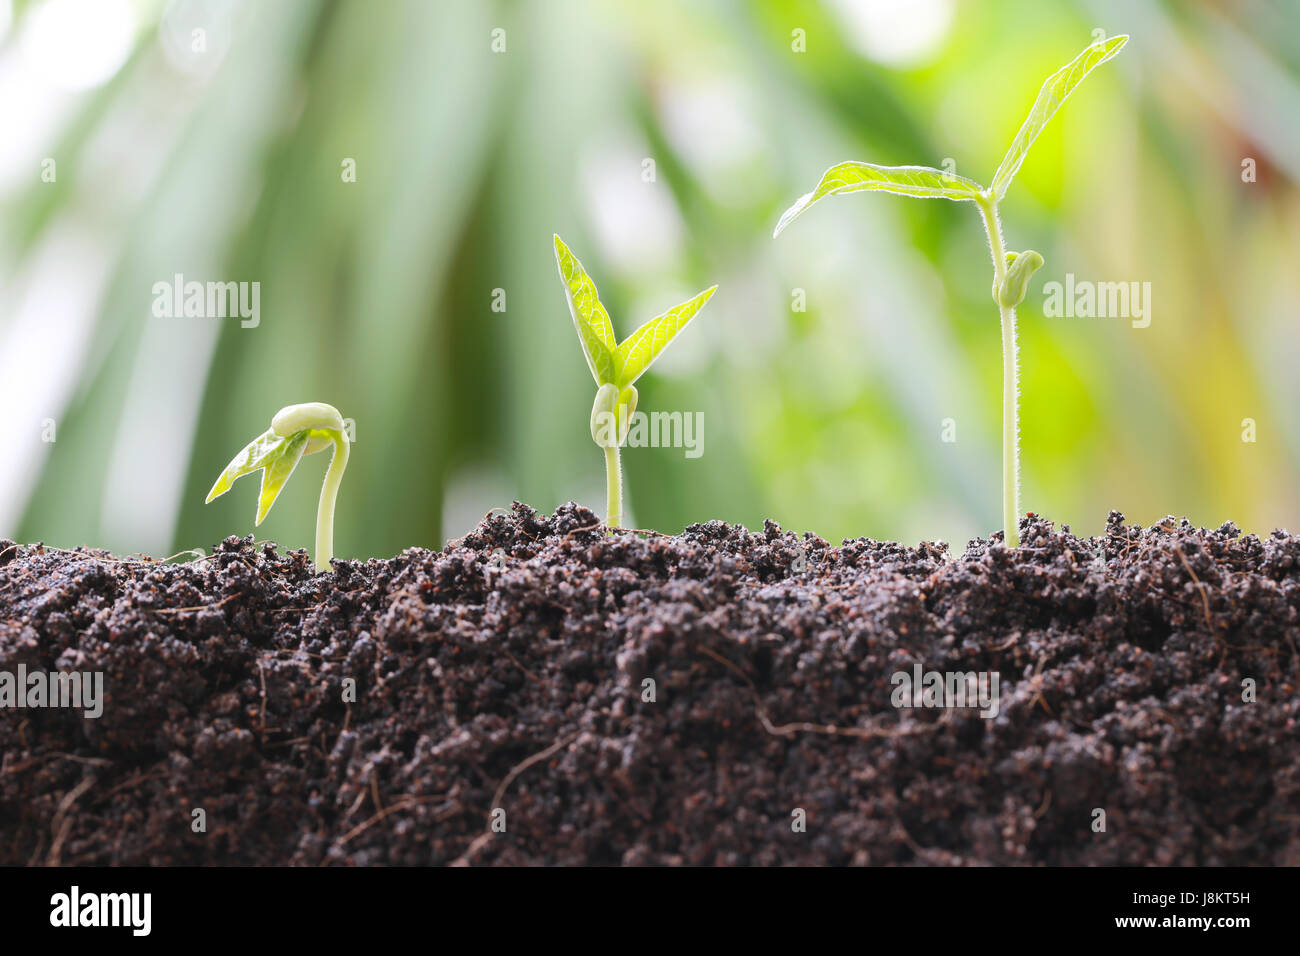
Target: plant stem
point(328, 493)
point(614, 482)
point(1010, 380)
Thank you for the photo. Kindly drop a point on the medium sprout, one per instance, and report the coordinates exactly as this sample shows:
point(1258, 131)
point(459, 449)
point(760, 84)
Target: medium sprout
point(615, 366)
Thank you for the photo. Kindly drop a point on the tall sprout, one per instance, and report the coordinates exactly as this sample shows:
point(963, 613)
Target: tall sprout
point(1011, 270)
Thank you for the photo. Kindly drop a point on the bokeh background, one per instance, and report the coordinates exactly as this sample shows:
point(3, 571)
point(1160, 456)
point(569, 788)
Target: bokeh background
point(225, 163)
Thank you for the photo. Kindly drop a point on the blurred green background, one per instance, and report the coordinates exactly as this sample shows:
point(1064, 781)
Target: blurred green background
point(220, 155)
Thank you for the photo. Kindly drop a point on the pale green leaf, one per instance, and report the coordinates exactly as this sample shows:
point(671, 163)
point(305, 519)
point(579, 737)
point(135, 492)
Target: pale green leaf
point(1055, 89)
point(595, 331)
point(277, 473)
point(922, 182)
point(644, 345)
point(255, 455)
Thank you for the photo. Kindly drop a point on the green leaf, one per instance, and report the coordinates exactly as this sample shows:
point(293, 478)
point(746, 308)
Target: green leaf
point(1055, 89)
point(595, 331)
point(643, 346)
point(277, 473)
point(256, 455)
point(922, 182)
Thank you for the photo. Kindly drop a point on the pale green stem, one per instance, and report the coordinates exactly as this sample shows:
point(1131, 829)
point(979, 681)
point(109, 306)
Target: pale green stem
point(1010, 380)
point(328, 493)
point(614, 482)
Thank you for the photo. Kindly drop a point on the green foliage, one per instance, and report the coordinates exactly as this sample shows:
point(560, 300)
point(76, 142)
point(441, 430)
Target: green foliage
point(407, 261)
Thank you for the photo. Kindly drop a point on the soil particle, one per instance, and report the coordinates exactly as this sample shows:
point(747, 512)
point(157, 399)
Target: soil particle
point(381, 713)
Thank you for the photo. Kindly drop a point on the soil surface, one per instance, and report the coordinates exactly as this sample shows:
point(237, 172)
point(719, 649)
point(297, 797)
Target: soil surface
point(379, 714)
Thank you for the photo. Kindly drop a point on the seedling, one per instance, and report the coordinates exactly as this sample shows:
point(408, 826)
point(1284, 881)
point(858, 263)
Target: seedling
point(296, 430)
point(615, 366)
point(1011, 270)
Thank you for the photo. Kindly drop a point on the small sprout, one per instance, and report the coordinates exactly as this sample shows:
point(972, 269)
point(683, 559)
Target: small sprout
point(614, 365)
point(296, 430)
point(1011, 271)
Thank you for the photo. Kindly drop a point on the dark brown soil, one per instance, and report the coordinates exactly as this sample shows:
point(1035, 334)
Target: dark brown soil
point(1121, 660)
